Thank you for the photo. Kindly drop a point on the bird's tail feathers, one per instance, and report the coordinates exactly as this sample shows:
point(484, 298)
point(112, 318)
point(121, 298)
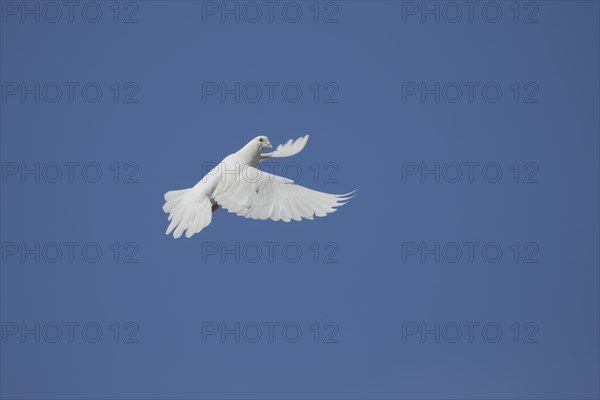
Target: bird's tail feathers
point(189, 211)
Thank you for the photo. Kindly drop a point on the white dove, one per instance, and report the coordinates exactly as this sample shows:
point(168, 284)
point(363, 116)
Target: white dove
point(237, 185)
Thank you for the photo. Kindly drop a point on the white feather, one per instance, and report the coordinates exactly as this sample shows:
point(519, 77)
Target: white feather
point(241, 188)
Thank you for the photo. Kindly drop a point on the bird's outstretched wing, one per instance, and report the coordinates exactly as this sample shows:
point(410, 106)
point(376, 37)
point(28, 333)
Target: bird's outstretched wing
point(259, 195)
point(288, 149)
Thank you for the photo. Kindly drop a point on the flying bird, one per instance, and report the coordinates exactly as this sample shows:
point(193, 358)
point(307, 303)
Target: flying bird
point(240, 187)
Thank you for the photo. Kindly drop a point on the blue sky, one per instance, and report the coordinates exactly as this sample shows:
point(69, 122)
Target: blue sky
point(466, 267)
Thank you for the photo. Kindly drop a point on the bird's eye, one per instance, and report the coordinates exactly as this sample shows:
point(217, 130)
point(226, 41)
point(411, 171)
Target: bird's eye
point(260, 140)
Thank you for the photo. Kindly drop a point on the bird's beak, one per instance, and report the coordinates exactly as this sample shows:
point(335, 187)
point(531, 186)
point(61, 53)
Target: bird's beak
point(269, 146)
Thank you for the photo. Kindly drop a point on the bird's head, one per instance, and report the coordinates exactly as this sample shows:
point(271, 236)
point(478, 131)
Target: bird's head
point(262, 142)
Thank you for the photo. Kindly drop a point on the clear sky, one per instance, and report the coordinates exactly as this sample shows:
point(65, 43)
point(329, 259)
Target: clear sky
point(466, 267)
